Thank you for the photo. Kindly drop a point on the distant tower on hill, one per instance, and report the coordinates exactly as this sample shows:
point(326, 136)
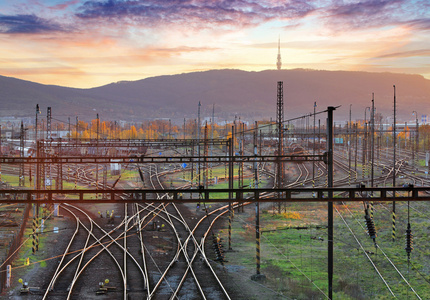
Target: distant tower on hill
point(279, 62)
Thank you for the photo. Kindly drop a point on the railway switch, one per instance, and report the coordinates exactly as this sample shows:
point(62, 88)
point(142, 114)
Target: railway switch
point(24, 289)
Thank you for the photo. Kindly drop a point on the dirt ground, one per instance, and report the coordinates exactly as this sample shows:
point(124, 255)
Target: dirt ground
point(53, 241)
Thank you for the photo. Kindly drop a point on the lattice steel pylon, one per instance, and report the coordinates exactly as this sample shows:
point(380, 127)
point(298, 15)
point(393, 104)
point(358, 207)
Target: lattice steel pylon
point(21, 154)
point(48, 180)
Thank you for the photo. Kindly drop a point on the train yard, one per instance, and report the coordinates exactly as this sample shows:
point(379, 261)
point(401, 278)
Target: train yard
point(179, 223)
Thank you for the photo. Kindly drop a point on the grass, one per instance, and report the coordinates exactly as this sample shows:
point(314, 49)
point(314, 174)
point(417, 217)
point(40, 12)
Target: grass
point(176, 179)
point(295, 261)
point(288, 253)
point(13, 180)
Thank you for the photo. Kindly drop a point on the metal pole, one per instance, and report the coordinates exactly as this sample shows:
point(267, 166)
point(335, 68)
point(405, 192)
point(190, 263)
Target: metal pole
point(330, 198)
point(406, 125)
point(37, 187)
point(97, 153)
point(356, 149)
point(280, 119)
point(313, 151)
point(230, 185)
point(417, 141)
point(372, 140)
point(372, 152)
point(184, 128)
point(257, 207)
point(349, 146)
point(35, 140)
point(212, 137)
point(416, 150)
point(363, 163)
point(394, 169)
point(77, 128)
point(198, 143)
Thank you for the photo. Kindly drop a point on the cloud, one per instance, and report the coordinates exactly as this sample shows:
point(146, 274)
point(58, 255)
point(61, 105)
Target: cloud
point(195, 13)
point(27, 24)
point(64, 5)
point(412, 53)
point(364, 14)
point(362, 8)
point(420, 24)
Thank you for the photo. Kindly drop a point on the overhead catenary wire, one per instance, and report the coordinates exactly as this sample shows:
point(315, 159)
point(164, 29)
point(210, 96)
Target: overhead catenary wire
point(386, 256)
point(365, 253)
point(289, 260)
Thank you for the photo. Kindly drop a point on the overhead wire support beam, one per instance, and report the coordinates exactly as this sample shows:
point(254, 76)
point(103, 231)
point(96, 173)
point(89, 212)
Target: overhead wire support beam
point(159, 159)
point(73, 143)
point(348, 194)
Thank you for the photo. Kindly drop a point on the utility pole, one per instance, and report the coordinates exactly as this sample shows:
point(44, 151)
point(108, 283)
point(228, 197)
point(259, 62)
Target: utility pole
point(417, 145)
point(330, 110)
point(365, 146)
point(417, 141)
point(77, 129)
point(313, 150)
point(356, 149)
point(97, 152)
point(69, 128)
point(349, 146)
point(280, 119)
point(37, 187)
point(373, 138)
point(257, 206)
point(198, 142)
point(21, 154)
point(49, 138)
point(205, 153)
point(394, 169)
point(212, 137)
point(230, 185)
point(1, 154)
point(184, 128)
point(35, 141)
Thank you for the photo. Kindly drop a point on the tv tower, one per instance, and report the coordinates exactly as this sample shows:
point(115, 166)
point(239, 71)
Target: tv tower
point(279, 62)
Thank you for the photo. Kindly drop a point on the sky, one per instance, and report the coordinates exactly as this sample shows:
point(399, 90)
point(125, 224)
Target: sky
point(92, 43)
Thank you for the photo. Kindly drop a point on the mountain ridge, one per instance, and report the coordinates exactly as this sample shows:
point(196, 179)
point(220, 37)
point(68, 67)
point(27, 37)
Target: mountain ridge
point(248, 94)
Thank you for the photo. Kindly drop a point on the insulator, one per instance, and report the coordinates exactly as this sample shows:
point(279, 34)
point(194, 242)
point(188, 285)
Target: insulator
point(370, 226)
point(409, 240)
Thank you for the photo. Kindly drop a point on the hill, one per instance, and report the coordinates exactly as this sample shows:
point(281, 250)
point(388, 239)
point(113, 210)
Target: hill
point(250, 95)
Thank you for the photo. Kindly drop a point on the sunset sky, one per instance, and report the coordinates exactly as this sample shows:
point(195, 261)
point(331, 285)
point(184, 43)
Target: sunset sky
point(91, 43)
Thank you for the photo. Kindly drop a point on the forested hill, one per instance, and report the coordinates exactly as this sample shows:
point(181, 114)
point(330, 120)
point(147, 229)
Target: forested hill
point(250, 95)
